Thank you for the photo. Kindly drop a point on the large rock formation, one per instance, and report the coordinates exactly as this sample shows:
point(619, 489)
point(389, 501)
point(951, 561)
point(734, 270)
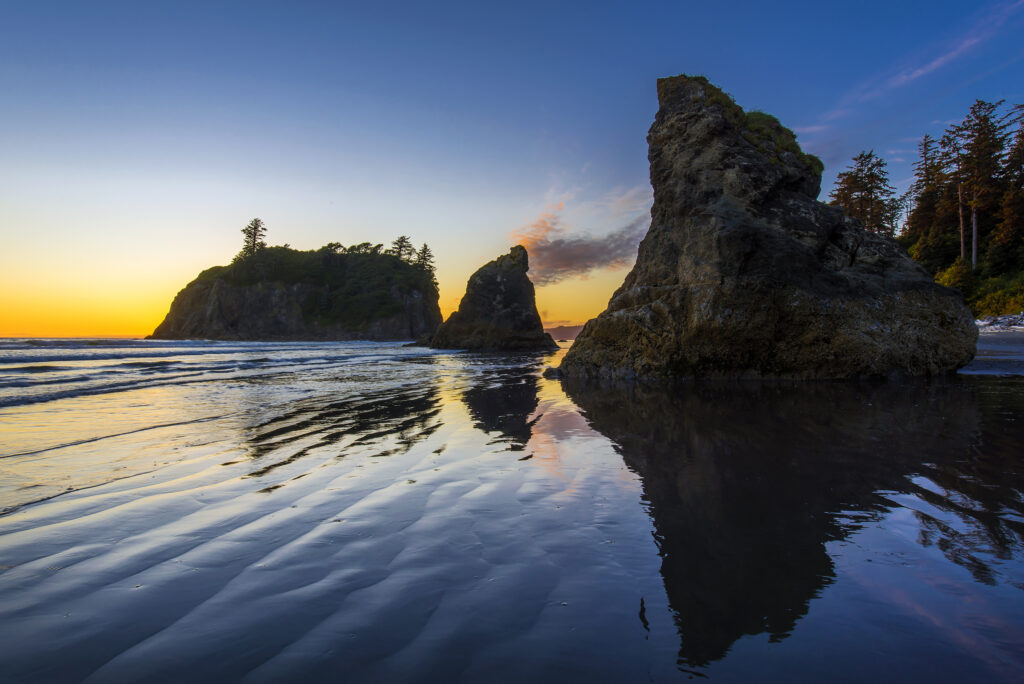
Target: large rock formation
point(744, 273)
point(284, 294)
point(498, 310)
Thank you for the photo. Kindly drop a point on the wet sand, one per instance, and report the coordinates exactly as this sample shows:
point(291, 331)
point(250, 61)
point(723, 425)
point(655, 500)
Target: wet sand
point(419, 532)
point(391, 514)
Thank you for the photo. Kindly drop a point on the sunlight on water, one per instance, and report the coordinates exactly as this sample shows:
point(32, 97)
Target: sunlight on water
point(299, 510)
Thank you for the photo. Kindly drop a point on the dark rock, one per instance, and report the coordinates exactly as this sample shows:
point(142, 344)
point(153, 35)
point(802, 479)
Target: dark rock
point(743, 273)
point(498, 310)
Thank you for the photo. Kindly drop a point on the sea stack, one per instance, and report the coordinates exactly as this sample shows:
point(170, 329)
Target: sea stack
point(743, 273)
point(286, 294)
point(498, 310)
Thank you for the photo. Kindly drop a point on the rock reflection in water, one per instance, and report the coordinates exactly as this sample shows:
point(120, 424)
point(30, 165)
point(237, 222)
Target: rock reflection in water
point(746, 484)
point(503, 401)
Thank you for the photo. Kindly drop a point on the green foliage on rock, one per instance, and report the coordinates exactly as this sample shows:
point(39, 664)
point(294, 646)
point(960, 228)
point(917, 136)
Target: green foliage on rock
point(760, 129)
point(353, 287)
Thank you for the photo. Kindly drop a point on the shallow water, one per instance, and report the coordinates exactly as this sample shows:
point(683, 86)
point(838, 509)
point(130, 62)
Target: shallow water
point(370, 512)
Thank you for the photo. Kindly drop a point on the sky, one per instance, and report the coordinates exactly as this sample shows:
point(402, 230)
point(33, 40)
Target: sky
point(138, 138)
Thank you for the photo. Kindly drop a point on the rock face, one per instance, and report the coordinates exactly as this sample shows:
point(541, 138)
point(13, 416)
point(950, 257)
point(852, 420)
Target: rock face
point(498, 310)
point(342, 298)
point(743, 273)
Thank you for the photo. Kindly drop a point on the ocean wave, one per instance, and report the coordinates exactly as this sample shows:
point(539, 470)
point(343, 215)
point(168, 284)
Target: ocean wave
point(75, 369)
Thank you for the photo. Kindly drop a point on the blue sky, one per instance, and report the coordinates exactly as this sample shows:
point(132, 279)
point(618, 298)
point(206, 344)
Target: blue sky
point(139, 137)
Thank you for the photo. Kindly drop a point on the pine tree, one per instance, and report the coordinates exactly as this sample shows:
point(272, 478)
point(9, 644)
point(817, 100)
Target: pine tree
point(983, 133)
point(953, 158)
point(864, 192)
point(1006, 253)
point(924, 191)
point(252, 241)
point(425, 257)
point(425, 260)
point(967, 224)
point(402, 248)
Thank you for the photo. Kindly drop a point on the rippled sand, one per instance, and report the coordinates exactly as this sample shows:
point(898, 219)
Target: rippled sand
point(414, 531)
point(386, 514)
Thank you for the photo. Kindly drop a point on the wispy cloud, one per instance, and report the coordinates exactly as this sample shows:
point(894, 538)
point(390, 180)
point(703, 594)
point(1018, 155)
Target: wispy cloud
point(627, 201)
point(556, 254)
point(902, 75)
point(952, 53)
point(828, 138)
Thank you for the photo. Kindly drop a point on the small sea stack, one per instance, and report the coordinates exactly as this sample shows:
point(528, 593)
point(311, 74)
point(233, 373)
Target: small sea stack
point(498, 311)
point(743, 273)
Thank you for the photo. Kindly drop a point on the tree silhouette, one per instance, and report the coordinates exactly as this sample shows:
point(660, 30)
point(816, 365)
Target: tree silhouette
point(252, 240)
point(425, 260)
point(864, 192)
point(402, 248)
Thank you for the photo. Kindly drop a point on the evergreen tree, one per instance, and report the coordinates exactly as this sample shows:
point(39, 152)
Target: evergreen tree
point(925, 189)
point(967, 223)
point(252, 240)
point(924, 238)
point(402, 248)
point(1007, 248)
point(425, 257)
point(983, 133)
point(364, 248)
point(953, 158)
point(425, 260)
point(864, 192)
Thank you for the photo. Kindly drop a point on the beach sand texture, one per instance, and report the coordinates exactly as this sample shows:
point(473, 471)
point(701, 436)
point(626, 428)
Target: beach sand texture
point(368, 512)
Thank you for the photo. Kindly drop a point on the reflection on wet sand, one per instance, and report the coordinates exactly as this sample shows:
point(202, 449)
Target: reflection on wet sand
point(502, 401)
point(746, 484)
point(408, 413)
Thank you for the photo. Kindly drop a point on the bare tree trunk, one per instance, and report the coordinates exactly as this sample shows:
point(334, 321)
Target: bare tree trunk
point(974, 231)
point(960, 207)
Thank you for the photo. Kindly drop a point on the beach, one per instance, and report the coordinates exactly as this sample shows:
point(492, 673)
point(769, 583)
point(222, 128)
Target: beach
point(372, 512)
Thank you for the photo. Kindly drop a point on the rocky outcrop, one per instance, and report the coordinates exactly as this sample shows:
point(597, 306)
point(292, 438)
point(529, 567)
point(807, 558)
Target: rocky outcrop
point(310, 296)
point(498, 310)
point(743, 273)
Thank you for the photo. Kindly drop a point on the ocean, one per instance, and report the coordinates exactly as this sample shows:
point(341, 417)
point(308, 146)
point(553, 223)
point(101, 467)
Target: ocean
point(370, 512)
